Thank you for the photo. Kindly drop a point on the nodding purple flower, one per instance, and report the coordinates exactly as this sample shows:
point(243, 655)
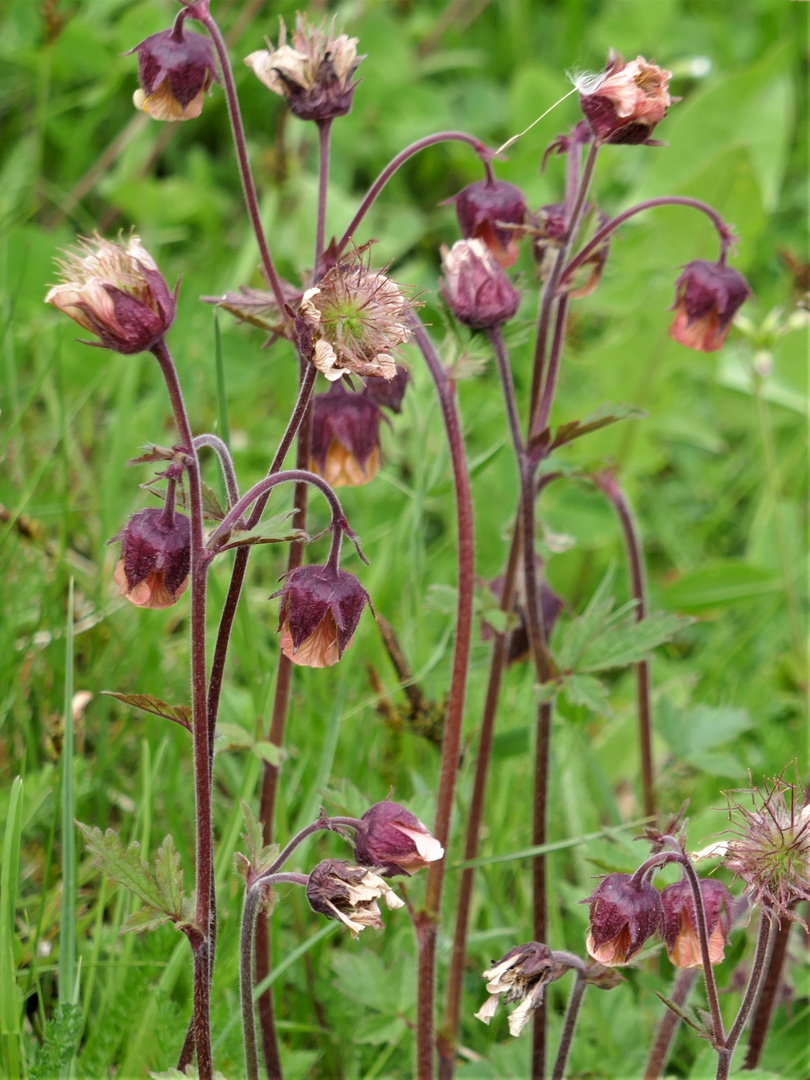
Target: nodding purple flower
point(679, 922)
point(115, 292)
point(492, 211)
point(476, 286)
point(320, 610)
point(707, 297)
point(389, 393)
point(345, 447)
point(625, 102)
point(624, 914)
point(394, 840)
point(176, 68)
point(349, 893)
point(155, 558)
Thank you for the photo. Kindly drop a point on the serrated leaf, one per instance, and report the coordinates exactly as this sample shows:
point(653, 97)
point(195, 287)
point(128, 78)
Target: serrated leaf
point(589, 692)
point(169, 877)
point(153, 452)
point(267, 751)
point(60, 1039)
point(274, 530)
point(604, 416)
point(148, 918)
point(180, 714)
point(211, 506)
point(123, 865)
point(547, 691)
point(253, 834)
point(628, 642)
point(571, 638)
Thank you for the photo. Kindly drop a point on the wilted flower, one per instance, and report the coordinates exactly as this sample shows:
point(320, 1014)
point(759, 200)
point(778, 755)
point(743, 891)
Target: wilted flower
point(490, 210)
point(389, 392)
point(345, 448)
point(679, 922)
point(314, 74)
point(395, 840)
point(320, 610)
point(155, 558)
point(707, 297)
point(115, 292)
point(769, 849)
point(624, 913)
point(349, 893)
point(176, 68)
point(624, 104)
point(476, 286)
point(353, 322)
point(520, 975)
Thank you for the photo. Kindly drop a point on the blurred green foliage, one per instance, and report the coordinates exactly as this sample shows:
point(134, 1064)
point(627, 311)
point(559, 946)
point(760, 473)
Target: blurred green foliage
point(717, 474)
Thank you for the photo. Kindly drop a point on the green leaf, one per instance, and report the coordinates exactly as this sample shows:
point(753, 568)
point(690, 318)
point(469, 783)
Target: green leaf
point(273, 530)
point(122, 864)
point(628, 642)
point(148, 918)
point(60, 1040)
point(169, 877)
point(180, 714)
point(259, 856)
point(212, 508)
point(602, 417)
point(719, 585)
point(267, 751)
point(589, 692)
point(694, 734)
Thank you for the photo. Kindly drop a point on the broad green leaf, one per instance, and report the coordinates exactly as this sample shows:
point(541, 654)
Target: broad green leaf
point(169, 877)
point(589, 692)
point(718, 585)
point(627, 641)
point(691, 732)
point(180, 714)
point(122, 864)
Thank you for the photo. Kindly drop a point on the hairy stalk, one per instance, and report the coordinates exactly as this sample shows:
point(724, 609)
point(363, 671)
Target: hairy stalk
point(253, 897)
point(204, 857)
point(724, 1056)
point(426, 923)
point(608, 484)
point(659, 1051)
point(238, 132)
point(397, 162)
point(226, 463)
point(569, 1025)
point(771, 983)
point(324, 147)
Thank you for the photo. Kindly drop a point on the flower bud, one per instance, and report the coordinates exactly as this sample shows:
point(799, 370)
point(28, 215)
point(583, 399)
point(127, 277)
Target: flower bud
point(320, 610)
point(349, 893)
point(115, 292)
point(392, 839)
point(707, 297)
point(155, 558)
point(476, 287)
point(314, 74)
point(345, 448)
point(679, 922)
point(489, 210)
point(389, 392)
point(624, 104)
point(624, 913)
point(520, 975)
point(176, 68)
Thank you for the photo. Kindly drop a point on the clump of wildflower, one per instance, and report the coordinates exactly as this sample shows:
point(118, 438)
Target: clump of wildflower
point(769, 848)
point(320, 610)
point(354, 322)
point(476, 286)
point(679, 922)
point(155, 558)
point(115, 292)
point(314, 74)
point(521, 975)
point(625, 102)
point(176, 69)
point(707, 297)
point(394, 840)
point(349, 893)
point(345, 447)
point(624, 913)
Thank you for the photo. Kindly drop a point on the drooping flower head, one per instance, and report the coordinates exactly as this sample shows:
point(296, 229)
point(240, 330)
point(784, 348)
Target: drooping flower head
point(176, 68)
point(624, 913)
point(115, 292)
point(707, 297)
point(349, 893)
point(395, 841)
point(389, 393)
point(345, 448)
point(476, 286)
point(679, 922)
point(354, 322)
point(770, 847)
point(490, 210)
point(155, 558)
point(521, 975)
point(625, 102)
point(314, 74)
point(319, 613)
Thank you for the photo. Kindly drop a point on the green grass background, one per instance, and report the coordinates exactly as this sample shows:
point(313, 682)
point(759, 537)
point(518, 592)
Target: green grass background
point(716, 472)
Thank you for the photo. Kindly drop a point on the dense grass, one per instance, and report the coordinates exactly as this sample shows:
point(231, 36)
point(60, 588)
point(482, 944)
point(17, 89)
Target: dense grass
point(716, 472)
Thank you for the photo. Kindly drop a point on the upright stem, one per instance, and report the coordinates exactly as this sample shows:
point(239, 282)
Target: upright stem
point(725, 1055)
point(767, 998)
point(659, 1051)
point(324, 146)
point(607, 483)
point(427, 921)
point(569, 1025)
point(204, 858)
point(246, 982)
